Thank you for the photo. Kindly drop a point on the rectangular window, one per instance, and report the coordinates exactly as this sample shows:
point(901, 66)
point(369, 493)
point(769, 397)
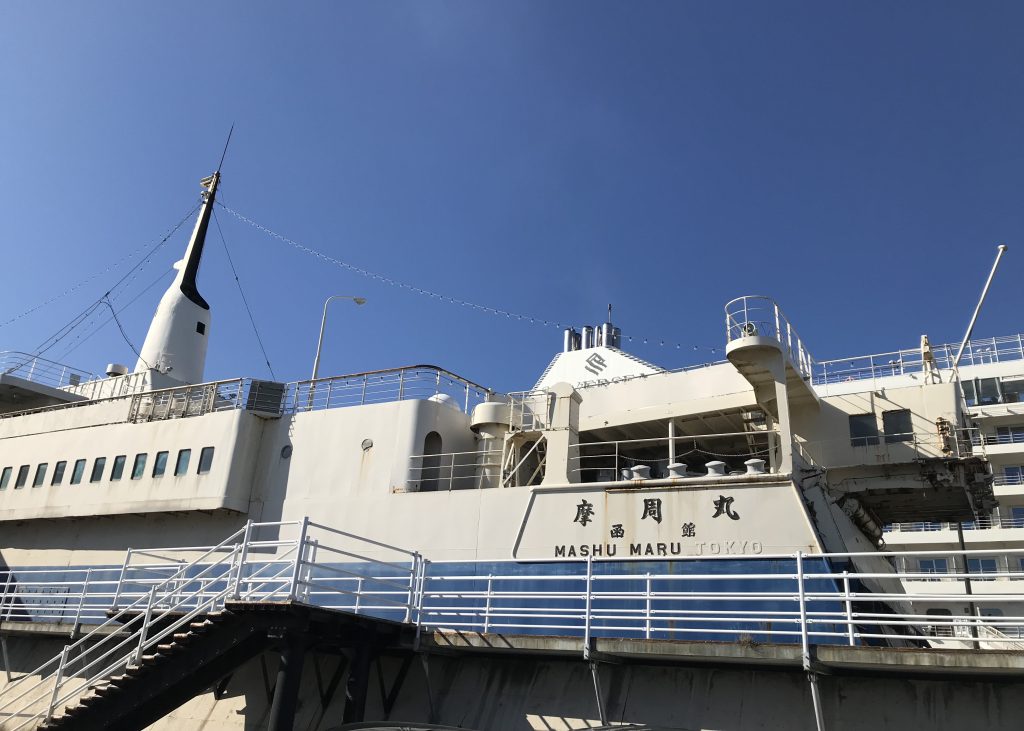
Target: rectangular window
point(1009, 434)
point(118, 470)
point(988, 391)
point(58, 472)
point(5, 477)
point(139, 466)
point(934, 566)
point(1016, 517)
point(160, 464)
point(1013, 390)
point(897, 426)
point(181, 466)
point(983, 565)
point(22, 477)
point(97, 469)
point(78, 471)
point(205, 460)
point(969, 393)
point(40, 477)
point(863, 430)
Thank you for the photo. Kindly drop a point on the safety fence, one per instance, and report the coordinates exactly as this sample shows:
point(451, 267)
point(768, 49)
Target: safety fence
point(664, 591)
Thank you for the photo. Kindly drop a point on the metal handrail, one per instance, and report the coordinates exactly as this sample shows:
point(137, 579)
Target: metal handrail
point(798, 596)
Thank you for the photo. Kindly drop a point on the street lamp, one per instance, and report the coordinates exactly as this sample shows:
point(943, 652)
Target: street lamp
point(323, 322)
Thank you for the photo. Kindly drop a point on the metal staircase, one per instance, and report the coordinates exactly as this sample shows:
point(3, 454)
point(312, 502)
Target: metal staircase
point(188, 623)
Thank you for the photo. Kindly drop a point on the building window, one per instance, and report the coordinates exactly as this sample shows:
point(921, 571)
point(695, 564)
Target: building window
point(78, 471)
point(988, 391)
point(181, 465)
point(941, 630)
point(58, 472)
point(969, 393)
point(898, 426)
point(1016, 517)
point(201, 328)
point(205, 460)
point(139, 466)
point(160, 464)
point(5, 477)
point(1013, 390)
point(863, 430)
point(22, 477)
point(983, 565)
point(97, 469)
point(40, 477)
point(933, 566)
point(1009, 434)
point(118, 469)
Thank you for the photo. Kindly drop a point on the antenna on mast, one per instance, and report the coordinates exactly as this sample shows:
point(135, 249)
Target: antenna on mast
point(221, 163)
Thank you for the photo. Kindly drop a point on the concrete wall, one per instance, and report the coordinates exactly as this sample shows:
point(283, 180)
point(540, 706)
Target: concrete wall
point(520, 694)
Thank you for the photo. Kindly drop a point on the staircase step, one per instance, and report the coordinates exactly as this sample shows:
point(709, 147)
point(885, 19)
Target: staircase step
point(148, 659)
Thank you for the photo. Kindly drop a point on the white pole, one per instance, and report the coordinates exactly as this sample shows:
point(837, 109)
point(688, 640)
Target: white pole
point(984, 292)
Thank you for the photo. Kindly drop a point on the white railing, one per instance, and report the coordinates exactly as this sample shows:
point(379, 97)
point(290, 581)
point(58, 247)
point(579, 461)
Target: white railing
point(986, 523)
point(170, 588)
point(989, 439)
point(531, 410)
point(1006, 480)
point(394, 384)
point(615, 460)
point(42, 371)
point(269, 397)
point(791, 597)
point(899, 362)
point(756, 315)
point(455, 471)
point(888, 448)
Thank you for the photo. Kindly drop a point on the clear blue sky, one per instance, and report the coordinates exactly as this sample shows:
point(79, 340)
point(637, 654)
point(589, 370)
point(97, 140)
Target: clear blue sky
point(858, 161)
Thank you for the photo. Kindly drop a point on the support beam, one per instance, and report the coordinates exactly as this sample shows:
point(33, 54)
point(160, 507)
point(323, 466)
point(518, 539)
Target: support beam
point(358, 684)
point(597, 694)
point(289, 680)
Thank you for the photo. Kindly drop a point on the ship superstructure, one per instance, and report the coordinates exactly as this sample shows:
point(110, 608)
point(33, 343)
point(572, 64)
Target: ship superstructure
point(755, 467)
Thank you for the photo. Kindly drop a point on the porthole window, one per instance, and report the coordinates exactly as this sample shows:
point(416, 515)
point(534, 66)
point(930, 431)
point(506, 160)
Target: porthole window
point(40, 477)
point(5, 477)
point(139, 466)
point(181, 465)
point(205, 460)
point(117, 471)
point(78, 472)
point(58, 472)
point(97, 469)
point(22, 477)
point(160, 464)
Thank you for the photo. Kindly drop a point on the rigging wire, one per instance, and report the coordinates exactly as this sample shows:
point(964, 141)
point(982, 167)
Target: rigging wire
point(245, 301)
point(435, 295)
point(124, 335)
point(64, 331)
point(91, 277)
point(82, 338)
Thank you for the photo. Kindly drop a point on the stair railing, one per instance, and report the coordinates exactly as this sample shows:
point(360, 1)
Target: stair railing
point(56, 669)
point(282, 570)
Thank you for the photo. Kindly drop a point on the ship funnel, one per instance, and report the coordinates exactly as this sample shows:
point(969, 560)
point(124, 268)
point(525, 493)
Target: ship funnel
point(175, 347)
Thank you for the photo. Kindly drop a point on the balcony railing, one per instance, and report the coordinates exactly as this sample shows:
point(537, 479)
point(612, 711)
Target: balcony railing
point(986, 523)
point(42, 371)
point(756, 315)
point(900, 362)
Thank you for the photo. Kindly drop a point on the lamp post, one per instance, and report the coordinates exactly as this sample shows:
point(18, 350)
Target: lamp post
point(323, 323)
